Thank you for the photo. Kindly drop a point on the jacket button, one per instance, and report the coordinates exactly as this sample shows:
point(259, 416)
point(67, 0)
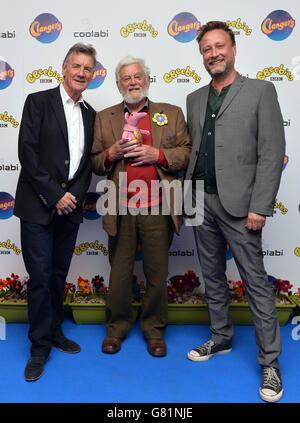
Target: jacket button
point(67, 162)
point(64, 185)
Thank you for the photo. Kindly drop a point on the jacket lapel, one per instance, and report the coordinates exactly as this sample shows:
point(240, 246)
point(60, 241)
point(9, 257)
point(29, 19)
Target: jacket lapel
point(59, 112)
point(233, 91)
point(117, 121)
point(203, 104)
point(85, 116)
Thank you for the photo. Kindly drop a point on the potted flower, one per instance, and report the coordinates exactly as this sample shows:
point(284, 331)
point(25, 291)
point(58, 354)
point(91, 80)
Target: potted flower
point(88, 301)
point(296, 299)
point(187, 307)
point(184, 305)
point(13, 299)
point(239, 308)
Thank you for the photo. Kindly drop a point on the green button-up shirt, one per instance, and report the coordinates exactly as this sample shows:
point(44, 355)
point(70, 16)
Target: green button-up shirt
point(205, 166)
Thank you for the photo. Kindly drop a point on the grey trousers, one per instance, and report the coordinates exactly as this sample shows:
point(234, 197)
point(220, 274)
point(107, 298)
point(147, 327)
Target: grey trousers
point(219, 229)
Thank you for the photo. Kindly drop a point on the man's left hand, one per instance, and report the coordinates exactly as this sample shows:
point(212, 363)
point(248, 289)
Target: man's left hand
point(255, 221)
point(143, 155)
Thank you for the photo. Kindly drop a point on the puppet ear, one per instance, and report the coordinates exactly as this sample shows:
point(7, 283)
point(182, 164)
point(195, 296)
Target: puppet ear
point(126, 116)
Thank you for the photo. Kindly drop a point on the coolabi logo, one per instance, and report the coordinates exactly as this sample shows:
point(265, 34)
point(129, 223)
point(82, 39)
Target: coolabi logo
point(4, 117)
point(8, 34)
point(237, 25)
point(10, 167)
point(95, 247)
point(6, 74)
point(272, 253)
point(278, 25)
point(141, 26)
point(98, 77)
point(89, 208)
point(44, 75)
point(275, 73)
point(183, 27)
point(7, 203)
point(181, 253)
point(186, 72)
point(45, 28)
point(91, 34)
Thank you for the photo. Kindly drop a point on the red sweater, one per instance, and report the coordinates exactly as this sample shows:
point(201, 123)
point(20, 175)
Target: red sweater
point(146, 173)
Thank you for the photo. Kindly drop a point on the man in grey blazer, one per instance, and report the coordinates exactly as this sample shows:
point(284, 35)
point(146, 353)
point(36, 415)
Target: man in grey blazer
point(238, 150)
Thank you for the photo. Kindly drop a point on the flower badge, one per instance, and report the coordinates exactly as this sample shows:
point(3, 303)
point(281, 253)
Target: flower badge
point(160, 118)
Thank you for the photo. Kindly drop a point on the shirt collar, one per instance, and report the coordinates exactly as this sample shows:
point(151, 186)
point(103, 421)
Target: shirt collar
point(145, 107)
point(223, 91)
point(65, 97)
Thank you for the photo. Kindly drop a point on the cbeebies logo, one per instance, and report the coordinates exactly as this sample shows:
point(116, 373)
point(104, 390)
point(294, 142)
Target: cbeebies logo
point(4, 117)
point(44, 75)
point(279, 206)
point(239, 25)
point(142, 27)
point(275, 73)
point(186, 72)
point(90, 248)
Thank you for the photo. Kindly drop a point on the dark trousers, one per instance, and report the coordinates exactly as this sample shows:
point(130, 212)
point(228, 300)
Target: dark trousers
point(47, 252)
point(154, 234)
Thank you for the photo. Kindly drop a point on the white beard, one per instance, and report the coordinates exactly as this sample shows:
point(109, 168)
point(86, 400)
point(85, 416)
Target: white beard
point(130, 100)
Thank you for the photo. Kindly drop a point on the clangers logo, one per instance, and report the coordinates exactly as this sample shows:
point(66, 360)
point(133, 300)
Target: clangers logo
point(98, 77)
point(6, 75)
point(184, 27)
point(45, 28)
point(285, 162)
point(278, 25)
point(7, 203)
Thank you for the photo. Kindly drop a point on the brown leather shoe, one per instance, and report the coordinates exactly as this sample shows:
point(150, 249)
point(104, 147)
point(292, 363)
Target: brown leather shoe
point(111, 345)
point(157, 347)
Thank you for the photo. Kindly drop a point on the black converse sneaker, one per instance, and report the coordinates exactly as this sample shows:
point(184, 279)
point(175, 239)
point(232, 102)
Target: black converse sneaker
point(271, 387)
point(207, 351)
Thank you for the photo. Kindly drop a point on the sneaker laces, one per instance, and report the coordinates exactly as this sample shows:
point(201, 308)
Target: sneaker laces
point(205, 348)
point(270, 378)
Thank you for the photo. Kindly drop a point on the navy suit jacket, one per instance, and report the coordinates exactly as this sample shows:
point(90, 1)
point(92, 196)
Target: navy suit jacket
point(44, 157)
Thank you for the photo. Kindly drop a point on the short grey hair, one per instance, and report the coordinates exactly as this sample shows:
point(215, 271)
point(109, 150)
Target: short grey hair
point(81, 48)
point(129, 60)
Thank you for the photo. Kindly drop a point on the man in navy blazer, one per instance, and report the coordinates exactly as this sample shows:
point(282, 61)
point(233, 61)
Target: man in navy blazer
point(55, 141)
point(237, 132)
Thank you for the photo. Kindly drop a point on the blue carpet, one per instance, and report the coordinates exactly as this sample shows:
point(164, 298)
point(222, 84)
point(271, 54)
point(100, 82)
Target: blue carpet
point(133, 376)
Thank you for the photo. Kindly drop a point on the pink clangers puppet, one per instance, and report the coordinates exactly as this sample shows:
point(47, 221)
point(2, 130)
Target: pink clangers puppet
point(131, 129)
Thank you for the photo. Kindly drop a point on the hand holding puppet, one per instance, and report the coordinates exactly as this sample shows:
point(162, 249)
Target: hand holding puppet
point(131, 129)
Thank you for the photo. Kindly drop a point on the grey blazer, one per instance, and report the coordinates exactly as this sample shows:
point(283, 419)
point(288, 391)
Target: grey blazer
point(249, 144)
